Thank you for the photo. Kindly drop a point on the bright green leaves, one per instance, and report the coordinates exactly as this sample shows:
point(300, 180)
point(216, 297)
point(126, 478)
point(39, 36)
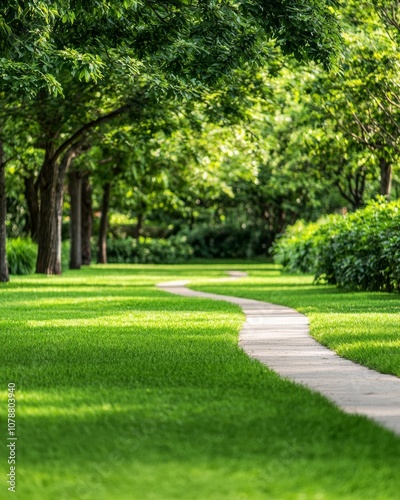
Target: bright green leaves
point(359, 103)
point(389, 12)
point(68, 17)
point(4, 27)
point(86, 66)
point(53, 85)
point(196, 42)
point(308, 30)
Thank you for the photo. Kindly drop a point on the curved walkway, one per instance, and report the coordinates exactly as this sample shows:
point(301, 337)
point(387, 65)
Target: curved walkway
point(279, 337)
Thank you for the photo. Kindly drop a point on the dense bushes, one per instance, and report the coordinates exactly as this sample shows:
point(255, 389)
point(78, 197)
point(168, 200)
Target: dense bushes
point(360, 250)
point(295, 249)
point(227, 242)
point(205, 242)
point(148, 250)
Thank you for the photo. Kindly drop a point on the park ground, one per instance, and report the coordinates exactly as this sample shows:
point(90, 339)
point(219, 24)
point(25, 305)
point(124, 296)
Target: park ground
point(126, 392)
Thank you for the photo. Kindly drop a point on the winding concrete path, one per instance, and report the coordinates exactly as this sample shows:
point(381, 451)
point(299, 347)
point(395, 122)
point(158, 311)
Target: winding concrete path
point(279, 337)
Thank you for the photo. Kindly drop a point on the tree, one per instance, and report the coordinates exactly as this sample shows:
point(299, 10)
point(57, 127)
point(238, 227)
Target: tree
point(86, 219)
point(363, 97)
point(179, 47)
point(31, 60)
point(3, 257)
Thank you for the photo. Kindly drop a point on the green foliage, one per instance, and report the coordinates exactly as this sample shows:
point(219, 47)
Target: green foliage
point(149, 250)
point(361, 101)
point(21, 256)
point(359, 251)
point(226, 242)
point(197, 40)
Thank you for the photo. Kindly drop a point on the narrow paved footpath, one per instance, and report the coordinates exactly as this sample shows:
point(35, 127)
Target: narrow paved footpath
point(279, 337)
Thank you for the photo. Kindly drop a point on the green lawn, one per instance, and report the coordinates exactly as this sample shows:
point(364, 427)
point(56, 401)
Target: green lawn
point(127, 392)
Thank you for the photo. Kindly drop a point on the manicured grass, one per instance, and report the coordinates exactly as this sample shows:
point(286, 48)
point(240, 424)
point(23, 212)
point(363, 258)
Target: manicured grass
point(127, 392)
point(361, 326)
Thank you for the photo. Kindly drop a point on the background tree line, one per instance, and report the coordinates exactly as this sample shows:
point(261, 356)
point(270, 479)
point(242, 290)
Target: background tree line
point(191, 117)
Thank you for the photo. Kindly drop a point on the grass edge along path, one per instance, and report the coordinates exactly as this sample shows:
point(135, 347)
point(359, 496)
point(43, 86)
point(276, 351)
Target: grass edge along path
point(125, 392)
point(360, 326)
point(279, 338)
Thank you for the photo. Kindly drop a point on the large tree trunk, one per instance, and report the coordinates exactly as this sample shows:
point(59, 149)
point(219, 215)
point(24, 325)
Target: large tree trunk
point(386, 177)
point(32, 200)
point(102, 250)
point(48, 261)
point(51, 184)
point(75, 192)
point(86, 220)
point(3, 212)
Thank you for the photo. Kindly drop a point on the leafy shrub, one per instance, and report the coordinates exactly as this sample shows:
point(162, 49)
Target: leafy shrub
point(122, 231)
point(21, 256)
point(360, 250)
point(119, 251)
point(295, 249)
point(149, 250)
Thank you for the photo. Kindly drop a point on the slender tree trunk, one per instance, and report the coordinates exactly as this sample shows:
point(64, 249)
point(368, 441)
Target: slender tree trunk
point(75, 192)
point(32, 200)
point(66, 161)
point(139, 225)
point(87, 220)
point(386, 177)
point(3, 212)
point(102, 250)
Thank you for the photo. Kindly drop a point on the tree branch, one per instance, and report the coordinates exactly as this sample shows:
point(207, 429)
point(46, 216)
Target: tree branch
point(385, 111)
point(344, 194)
point(87, 127)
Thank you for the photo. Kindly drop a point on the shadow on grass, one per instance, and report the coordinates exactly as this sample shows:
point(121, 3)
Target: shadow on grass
point(154, 400)
point(252, 422)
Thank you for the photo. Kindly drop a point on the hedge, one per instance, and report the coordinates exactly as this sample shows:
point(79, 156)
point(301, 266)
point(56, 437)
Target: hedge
point(228, 241)
point(149, 250)
point(359, 251)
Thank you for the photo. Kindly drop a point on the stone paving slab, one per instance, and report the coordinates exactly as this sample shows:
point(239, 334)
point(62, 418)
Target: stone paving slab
point(279, 337)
